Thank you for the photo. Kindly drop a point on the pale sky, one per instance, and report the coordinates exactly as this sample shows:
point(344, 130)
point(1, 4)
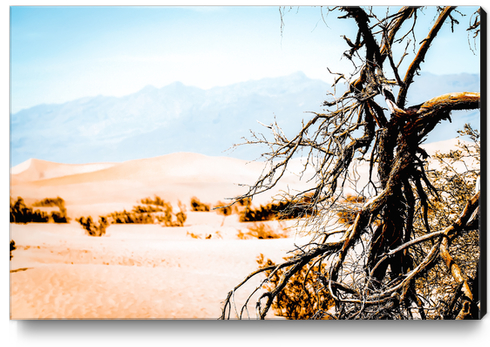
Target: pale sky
point(59, 54)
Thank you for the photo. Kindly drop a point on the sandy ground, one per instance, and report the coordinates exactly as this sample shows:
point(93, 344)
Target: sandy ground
point(134, 271)
point(139, 271)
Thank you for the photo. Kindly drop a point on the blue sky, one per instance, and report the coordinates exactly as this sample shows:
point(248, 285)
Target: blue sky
point(60, 54)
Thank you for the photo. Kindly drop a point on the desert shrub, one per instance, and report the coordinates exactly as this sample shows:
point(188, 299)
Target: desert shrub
point(171, 219)
point(121, 217)
point(198, 206)
point(244, 202)
point(217, 235)
point(125, 217)
point(39, 217)
point(20, 213)
point(180, 217)
point(194, 236)
point(59, 202)
point(12, 247)
point(224, 209)
point(138, 209)
point(152, 211)
point(263, 213)
point(143, 218)
point(57, 217)
point(261, 231)
point(286, 209)
point(156, 201)
point(92, 228)
point(304, 295)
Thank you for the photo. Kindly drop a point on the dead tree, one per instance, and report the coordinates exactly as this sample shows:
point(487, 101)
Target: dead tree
point(392, 261)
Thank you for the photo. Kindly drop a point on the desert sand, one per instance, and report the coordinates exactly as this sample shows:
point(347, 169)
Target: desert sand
point(135, 271)
point(138, 271)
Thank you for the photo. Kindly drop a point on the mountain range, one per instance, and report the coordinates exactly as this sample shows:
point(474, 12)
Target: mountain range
point(179, 118)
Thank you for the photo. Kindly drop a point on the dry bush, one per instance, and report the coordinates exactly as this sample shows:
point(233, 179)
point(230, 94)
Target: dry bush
point(239, 207)
point(455, 178)
point(303, 297)
point(171, 219)
point(57, 217)
point(286, 209)
point(198, 206)
point(125, 217)
point(21, 213)
point(92, 228)
point(261, 231)
point(194, 236)
point(12, 247)
point(225, 210)
point(217, 235)
point(152, 211)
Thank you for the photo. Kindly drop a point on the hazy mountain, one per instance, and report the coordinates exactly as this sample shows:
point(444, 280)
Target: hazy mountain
point(157, 121)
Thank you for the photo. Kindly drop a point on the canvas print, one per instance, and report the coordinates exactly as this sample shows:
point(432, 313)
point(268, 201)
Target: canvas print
point(242, 162)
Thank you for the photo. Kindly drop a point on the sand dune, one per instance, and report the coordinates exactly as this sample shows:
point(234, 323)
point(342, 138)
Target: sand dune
point(141, 271)
point(36, 169)
point(134, 271)
point(171, 165)
point(103, 188)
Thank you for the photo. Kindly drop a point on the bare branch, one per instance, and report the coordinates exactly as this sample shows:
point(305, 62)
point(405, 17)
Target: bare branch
point(419, 58)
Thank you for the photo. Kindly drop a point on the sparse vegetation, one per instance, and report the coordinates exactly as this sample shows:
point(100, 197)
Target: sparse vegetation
point(304, 297)
point(225, 209)
point(21, 213)
point(157, 201)
point(57, 217)
point(217, 235)
point(92, 228)
point(198, 206)
point(125, 217)
point(261, 231)
point(12, 247)
point(152, 211)
point(455, 179)
point(288, 209)
point(194, 236)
